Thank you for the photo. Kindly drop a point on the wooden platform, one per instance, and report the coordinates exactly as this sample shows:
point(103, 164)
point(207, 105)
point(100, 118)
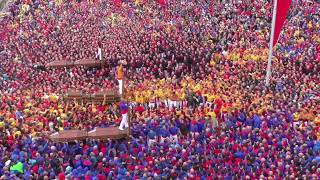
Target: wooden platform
point(89, 63)
point(83, 62)
point(110, 96)
point(97, 134)
point(60, 64)
point(68, 136)
point(107, 133)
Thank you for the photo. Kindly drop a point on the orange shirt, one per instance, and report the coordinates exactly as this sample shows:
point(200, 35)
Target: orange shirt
point(120, 72)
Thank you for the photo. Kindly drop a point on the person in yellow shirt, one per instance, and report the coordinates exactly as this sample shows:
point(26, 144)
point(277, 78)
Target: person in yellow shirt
point(137, 97)
point(181, 97)
point(157, 95)
point(166, 95)
point(146, 97)
point(205, 94)
point(152, 99)
point(94, 108)
point(2, 124)
point(317, 120)
point(235, 56)
point(211, 98)
point(141, 98)
point(310, 25)
point(161, 95)
point(197, 87)
point(212, 114)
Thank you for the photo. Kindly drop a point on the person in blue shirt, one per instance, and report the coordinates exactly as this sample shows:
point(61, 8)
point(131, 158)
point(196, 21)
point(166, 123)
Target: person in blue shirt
point(164, 134)
point(256, 121)
point(194, 128)
point(239, 154)
point(151, 137)
point(122, 147)
point(242, 117)
point(249, 122)
point(279, 86)
point(201, 124)
point(174, 130)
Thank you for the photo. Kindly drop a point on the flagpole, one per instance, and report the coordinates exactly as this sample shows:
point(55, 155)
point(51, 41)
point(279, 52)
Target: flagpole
point(271, 42)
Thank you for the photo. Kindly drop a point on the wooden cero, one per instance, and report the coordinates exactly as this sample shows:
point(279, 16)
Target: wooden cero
point(110, 96)
point(83, 62)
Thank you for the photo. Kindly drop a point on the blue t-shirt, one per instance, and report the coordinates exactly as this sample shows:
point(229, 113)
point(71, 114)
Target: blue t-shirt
point(152, 135)
point(164, 133)
point(174, 130)
point(256, 121)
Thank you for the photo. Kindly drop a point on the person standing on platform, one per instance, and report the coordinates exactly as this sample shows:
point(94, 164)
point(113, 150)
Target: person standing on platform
point(99, 53)
point(120, 78)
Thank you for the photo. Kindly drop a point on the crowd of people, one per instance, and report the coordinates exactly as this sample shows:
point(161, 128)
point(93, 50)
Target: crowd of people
point(195, 74)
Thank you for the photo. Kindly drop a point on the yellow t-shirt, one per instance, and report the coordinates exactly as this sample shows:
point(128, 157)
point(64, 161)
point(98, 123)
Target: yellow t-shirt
point(120, 72)
point(317, 120)
point(184, 84)
point(261, 110)
point(211, 98)
point(205, 94)
point(310, 24)
point(29, 104)
point(94, 109)
point(52, 98)
point(234, 56)
point(161, 94)
point(146, 96)
point(2, 124)
point(212, 63)
point(139, 99)
point(167, 93)
point(197, 87)
point(18, 133)
point(212, 114)
point(296, 116)
point(63, 116)
point(182, 95)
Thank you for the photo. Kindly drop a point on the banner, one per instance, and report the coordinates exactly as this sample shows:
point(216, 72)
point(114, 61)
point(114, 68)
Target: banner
point(283, 7)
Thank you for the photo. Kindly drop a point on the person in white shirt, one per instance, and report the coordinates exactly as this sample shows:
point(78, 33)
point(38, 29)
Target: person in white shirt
point(99, 53)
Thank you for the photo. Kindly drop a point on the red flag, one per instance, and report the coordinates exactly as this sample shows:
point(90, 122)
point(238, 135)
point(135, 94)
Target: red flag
point(283, 7)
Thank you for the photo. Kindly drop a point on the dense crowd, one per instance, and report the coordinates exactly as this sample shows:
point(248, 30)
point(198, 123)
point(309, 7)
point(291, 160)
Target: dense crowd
point(195, 73)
